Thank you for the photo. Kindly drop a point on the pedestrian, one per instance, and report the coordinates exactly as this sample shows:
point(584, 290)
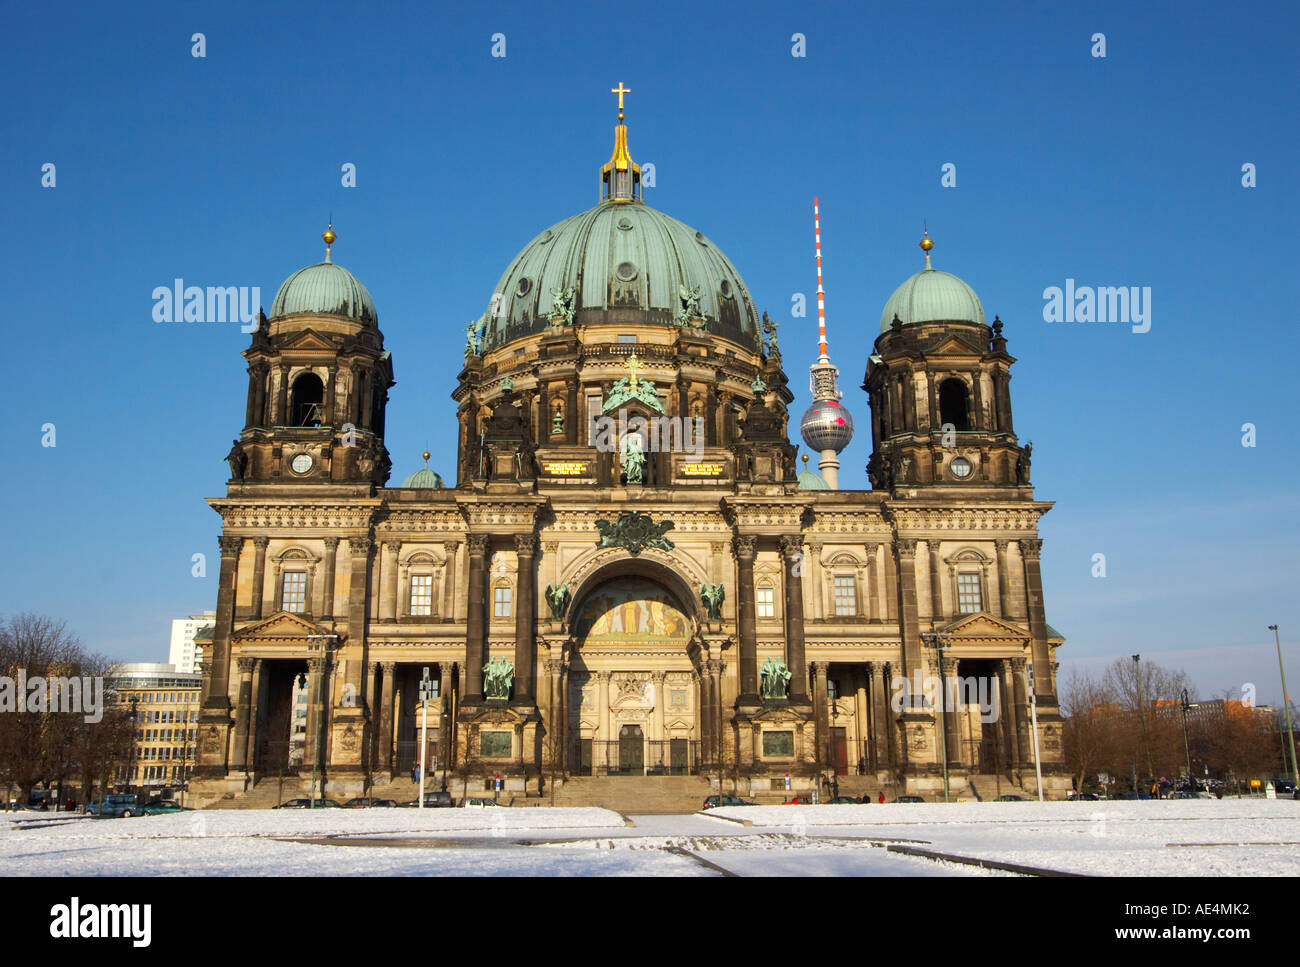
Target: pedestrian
point(835, 786)
point(882, 798)
point(862, 765)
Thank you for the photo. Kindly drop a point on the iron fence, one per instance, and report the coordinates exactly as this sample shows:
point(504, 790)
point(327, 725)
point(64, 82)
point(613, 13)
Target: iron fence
point(637, 757)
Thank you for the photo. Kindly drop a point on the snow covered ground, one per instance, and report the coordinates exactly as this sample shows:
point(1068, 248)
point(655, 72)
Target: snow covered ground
point(1183, 837)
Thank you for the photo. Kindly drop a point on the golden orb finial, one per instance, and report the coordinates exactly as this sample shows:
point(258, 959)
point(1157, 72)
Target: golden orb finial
point(426, 459)
point(805, 461)
point(328, 237)
point(927, 243)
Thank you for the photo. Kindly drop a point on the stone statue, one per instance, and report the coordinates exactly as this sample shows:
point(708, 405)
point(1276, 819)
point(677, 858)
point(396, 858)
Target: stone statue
point(758, 386)
point(238, 461)
point(474, 336)
point(1022, 463)
point(774, 679)
point(562, 306)
point(633, 459)
point(712, 596)
point(688, 312)
point(558, 599)
point(770, 327)
point(498, 676)
point(557, 422)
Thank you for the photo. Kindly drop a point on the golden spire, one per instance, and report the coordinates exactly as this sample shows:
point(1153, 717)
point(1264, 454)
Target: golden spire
point(426, 459)
point(620, 91)
point(620, 176)
point(927, 243)
point(328, 237)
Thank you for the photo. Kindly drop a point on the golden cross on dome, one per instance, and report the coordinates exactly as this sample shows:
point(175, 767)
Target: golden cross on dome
point(620, 91)
point(633, 364)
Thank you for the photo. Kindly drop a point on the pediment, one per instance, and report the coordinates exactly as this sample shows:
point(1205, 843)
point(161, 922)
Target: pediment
point(308, 339)
point(956, 346)
point(983, 625)
point(281, 627)
point(778, 715)
point(678, 725)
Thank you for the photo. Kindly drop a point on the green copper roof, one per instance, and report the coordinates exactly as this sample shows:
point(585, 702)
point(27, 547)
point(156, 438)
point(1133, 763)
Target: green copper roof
point(932, 296)
point(626, 263)
point(811, 481)
point(424, 478)
point(327, 289)
point(1053, 633)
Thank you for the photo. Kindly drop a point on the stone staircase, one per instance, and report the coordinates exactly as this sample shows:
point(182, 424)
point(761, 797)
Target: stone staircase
point(265, 794)
point(645, 795)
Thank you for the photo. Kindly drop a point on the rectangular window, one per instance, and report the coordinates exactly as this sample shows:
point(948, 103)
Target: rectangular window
point(421, 594)
point(778, 745)
point(846, 595)
point(766, 603)
point(969, 599)
point(294, 592)
point(501, 603)
point(624, 339)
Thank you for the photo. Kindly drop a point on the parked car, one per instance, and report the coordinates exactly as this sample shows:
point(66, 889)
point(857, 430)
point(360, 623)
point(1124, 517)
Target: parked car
point(799, 800)
point(365, 802)
point(1086, 797)
point(1134, 795)
point(306, 804)
point(1009, 797)
point(842, 801)
point(115, 804)
point(162, 807)
point(432, 800)
point(909, 799)
point(714, 801)
point(478, 803)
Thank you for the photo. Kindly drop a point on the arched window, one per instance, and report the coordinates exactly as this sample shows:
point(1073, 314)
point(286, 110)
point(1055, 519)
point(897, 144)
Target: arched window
point(308, 397)
point(953, 407)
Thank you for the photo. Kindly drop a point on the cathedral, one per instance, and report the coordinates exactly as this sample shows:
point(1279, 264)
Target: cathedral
point(631, 575)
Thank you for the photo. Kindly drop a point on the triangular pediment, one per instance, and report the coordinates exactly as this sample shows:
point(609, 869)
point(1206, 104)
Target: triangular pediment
point(984, 625)
point(956, 346)
point(280, 627)
point(309, 339)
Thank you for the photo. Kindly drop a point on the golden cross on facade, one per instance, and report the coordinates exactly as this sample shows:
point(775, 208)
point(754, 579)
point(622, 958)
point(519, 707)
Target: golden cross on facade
point(633, 364)
point(620, 91)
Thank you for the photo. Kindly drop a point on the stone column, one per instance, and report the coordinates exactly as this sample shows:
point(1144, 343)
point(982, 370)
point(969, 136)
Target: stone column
point(703, 724)
point(525, 621)
point(936, 581)
point(820, 719)
point(949, 708)
point(816, 580)
point(1007, 703)
point(1004, 579)
point(388, 582)
point(1042, 684)
point(239, 756)
point(450, 549)
point(259, 577)
point(717, 732)
point(1024, 746)
point(872, 590)
point(475, 618)
point(387, 698)
point(977, 393)
point(743, 547)
point(891, 585)
point(908, 622)
point(554, 733)
point(330, 569)
point(219, 689)
point(600, 751)
point(861, 724)
point(360, 550)
point(572, 417)
point(792, 555)
point(281, 415)
point(661, 699)
point(315, 699)
point(881, 719)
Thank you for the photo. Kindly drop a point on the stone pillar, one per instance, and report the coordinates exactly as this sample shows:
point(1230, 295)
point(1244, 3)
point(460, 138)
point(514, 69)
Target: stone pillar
point(315, 700)
point(281, 415)
point(908, 622)
point(475, 617)
point(861, 725)
point(881, 719)
point(891, 586)
point(703, 723)
point(243, 710)
point(599, 751)
point(936, 581)
point(358, 590)
point(1004, 579)
point(792, 555)
point(717, 732)
point(525, 621)
point(219, 689)
point(565, 739)
point(820, 699)
point(331, 553)
point(387, 697)
point(949, 707)
point(1042, 683)
point(450, 549)
point(554, 732)
point(1010, 732)
point(572, 417)
point(743, 547)
point(977, 393)
point(259, 577)
point(816, 580)
point(872, 590)
point(1024, 746)
point(388, 582)
point(661, 700)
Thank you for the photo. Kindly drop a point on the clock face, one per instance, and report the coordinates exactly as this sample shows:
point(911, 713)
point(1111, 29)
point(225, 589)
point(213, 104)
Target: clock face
point(961, 468)
point(301, 463)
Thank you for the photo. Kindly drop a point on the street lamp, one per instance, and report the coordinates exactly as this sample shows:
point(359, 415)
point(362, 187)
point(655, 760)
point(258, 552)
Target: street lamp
point(426, 694)
point(1142, 715)
point(317, 759)
point(1187, 749)
point(1286, 702)
point(938, 640)
point(1033, 721)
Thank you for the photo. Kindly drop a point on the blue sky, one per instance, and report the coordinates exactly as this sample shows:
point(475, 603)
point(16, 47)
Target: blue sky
point(222, 170)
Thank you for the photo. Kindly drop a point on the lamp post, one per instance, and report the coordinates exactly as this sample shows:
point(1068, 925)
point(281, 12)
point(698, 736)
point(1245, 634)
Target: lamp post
point(938, 640)
point(1033, 720)
point(317, 760)
point(426, 693)
point(1286, 702)
point(130, 758)
point(1142, 715)
point(1187, 749)
point(185, 750)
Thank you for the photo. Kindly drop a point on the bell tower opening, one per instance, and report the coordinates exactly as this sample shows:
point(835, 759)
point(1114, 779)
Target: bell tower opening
point(953, 407)
point(307, 401)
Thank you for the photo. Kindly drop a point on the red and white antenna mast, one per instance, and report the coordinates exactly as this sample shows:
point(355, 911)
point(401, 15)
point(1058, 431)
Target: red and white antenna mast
point(822, 357)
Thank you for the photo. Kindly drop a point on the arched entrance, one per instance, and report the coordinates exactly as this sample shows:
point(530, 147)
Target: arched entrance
point(633, 693)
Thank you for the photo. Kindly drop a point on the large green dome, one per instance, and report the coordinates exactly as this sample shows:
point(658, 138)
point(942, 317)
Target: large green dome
point(327, 289)
point(932, 296)
point(626, 263)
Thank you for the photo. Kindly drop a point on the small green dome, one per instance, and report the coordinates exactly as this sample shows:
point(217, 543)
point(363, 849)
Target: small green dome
point(811, 481)
point(932, 296)
point(626, 263)
point(424, 478)
point(327, 289)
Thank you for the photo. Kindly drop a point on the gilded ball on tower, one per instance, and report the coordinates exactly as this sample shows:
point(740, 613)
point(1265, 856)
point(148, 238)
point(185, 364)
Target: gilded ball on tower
point(927, 243)
point(328, 236)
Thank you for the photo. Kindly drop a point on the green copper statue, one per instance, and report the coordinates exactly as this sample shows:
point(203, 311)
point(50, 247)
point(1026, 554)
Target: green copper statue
point(498, 676)
point(712, 596)
point(775, 679)
point(558, 599)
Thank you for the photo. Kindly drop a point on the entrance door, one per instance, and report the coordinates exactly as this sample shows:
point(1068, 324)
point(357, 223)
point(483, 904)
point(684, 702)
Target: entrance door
point(584, 757)
point(631, 751)
point(677, 762)
point(839, 751)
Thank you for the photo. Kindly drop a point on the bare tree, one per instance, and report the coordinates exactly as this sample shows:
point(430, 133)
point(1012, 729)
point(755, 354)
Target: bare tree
point(1088, 730)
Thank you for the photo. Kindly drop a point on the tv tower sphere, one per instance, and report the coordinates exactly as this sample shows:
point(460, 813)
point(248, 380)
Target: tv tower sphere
point(826, 425)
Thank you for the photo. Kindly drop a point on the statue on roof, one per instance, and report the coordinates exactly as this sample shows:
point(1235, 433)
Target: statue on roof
point(474, 336)
point(770, 327)
point(562, 306)
point(688, 309)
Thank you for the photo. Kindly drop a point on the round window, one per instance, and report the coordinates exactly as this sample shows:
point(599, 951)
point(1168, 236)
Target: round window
point(625, 224)
point(725, 289)
point(524, 286)
point(699, 237)
point(546, 236)
point(626, 272)
point(961, 468)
